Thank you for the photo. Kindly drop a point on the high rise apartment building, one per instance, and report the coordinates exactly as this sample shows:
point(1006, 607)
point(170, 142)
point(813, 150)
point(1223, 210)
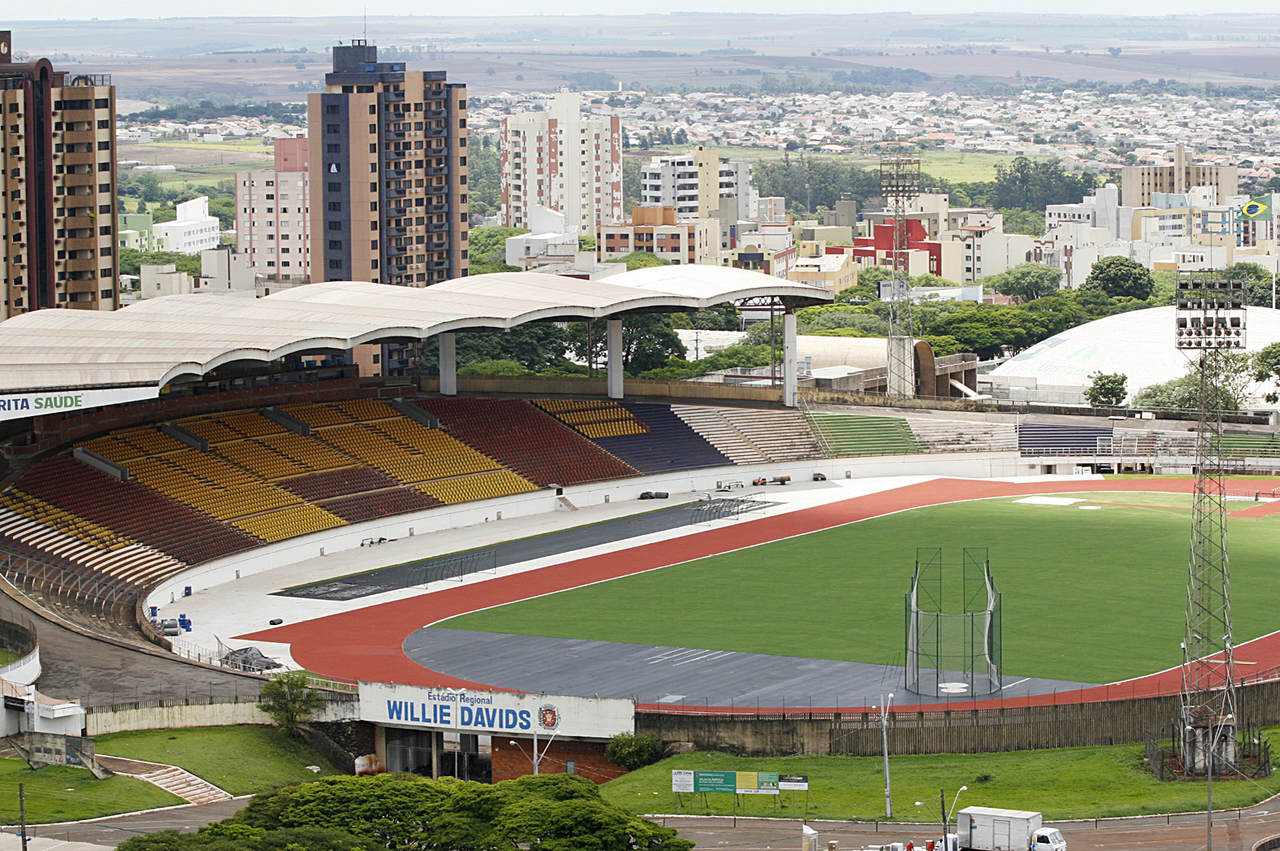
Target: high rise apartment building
point(273, 215)
point(388, 172)
point(696, 183)
point(1139, 184)
point(58, 182)
point(561, 160)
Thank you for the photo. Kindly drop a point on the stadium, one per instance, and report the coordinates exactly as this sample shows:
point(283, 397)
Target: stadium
point(459, 560)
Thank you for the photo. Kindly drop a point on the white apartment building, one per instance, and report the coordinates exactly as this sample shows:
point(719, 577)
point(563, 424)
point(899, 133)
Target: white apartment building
point(273, 223)
point(697, 183)
point(564, 161)
point(192, 231)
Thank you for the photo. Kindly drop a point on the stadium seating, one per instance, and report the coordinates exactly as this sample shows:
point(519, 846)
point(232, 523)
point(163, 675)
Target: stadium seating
point(317, 415)
point(334, 483)
point(753, 436)
point(259, 459)
point(213, 430)
point(378, 449)
point(479, 486)
point(307, 452)
point(524, 439)
point(133, 510)
point(1053, 439)
point(249, 424)
point(963, 435)
point(18, 502)
point(289, 522)
point(383, 503)
point(845, 436)
point(595, 418)
point(1250, 445)
point(669, 444)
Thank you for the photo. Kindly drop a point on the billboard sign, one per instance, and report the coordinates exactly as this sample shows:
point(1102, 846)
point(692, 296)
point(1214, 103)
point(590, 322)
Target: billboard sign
point(725, 782)
point(793, 782)
point(15, 406)
point(508, 713)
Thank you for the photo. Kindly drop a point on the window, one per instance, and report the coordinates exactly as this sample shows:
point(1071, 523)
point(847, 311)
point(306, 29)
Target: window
point(105, 272)
point(102, 103)
point(335, 225)
point(335, 264)
point(335, 244)
point(104, 146)
point(335, 187)
point(332, 128)
point(333, 148)
point(335, 206)
point(373, 147)
point(104, 166)
point(373, 109)
point(331, 109)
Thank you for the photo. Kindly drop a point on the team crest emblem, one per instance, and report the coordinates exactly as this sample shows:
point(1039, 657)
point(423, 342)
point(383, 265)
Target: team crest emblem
point(548, 717)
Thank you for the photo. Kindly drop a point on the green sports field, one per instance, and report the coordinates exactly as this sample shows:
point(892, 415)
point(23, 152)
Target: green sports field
point(1089, 595)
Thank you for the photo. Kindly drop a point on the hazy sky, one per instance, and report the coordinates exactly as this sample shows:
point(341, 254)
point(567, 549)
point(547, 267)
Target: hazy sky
point(52, 9)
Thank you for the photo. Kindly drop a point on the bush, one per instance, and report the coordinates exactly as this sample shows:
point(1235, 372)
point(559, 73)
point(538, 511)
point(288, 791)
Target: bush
point(633, 751)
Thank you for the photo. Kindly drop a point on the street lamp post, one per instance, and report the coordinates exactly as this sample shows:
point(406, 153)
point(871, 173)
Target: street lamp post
point(536, 759)
point(884, 740)
point(944, 815)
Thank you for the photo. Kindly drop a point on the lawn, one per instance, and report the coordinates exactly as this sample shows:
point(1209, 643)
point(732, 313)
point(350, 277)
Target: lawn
point(1062, 783)
point(241, 760)
point(1091, 596)
point(63, 793)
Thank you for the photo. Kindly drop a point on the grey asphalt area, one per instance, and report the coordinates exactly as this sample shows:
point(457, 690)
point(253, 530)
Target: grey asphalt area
point(418, 572)
point(113, 830)
point(656, 674)
point(98, 673)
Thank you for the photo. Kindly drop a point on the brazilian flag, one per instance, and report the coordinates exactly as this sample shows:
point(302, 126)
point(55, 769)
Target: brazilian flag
point(1256, 210)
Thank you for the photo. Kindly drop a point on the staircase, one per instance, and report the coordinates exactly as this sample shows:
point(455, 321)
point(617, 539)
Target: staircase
point(174, 780)
point(712, 425)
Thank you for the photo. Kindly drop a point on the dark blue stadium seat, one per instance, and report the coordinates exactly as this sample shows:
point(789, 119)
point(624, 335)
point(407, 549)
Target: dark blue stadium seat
point(670, 444)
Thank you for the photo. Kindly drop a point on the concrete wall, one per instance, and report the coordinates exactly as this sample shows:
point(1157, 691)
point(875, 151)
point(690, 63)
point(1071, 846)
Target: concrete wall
point(170, 714)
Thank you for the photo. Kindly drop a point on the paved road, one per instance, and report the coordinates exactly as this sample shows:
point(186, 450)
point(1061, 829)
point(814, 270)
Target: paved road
point(99, 673)
point(1180, 833)
point(656, 674)
point(113, 830)
point(1232, 832)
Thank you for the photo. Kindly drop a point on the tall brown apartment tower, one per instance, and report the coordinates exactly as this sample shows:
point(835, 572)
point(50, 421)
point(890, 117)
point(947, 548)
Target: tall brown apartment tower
point(388, 167)
point(58, 176)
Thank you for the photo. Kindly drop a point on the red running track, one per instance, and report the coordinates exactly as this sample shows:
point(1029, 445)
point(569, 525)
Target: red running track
point(366, 644)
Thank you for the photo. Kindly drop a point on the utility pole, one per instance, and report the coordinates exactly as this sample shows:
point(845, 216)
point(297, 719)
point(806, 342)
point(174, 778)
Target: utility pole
point(884, 739)
point(22, 814)
point(1210, 317)
point(900, 180)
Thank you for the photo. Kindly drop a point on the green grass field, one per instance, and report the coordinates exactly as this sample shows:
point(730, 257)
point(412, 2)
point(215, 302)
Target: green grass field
point(1062, 783)
point(241, 760)
point(1092, 596)
point(63, 793)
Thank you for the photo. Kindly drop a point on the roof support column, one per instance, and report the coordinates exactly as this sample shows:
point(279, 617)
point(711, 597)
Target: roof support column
point(613, 340)
point(790, 393)
point(448, 364)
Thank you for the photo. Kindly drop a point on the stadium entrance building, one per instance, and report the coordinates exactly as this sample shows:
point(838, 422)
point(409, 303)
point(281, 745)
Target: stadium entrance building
point(492, 735)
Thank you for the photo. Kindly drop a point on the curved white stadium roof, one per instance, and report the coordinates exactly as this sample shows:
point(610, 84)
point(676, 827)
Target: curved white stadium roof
point(155, 341)
point(1138, 344)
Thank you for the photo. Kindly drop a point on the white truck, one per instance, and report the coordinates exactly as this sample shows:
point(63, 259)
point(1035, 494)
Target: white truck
point(991, 829)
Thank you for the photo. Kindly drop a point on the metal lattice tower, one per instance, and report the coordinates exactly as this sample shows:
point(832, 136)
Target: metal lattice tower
point(899, 181)
point(1210, 323)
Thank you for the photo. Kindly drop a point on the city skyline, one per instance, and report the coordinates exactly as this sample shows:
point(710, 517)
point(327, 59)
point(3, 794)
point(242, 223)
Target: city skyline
point(84, 10)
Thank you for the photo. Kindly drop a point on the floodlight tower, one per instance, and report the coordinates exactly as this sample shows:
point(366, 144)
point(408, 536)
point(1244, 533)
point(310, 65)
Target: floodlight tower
point(1210, 320)
point(900, 180)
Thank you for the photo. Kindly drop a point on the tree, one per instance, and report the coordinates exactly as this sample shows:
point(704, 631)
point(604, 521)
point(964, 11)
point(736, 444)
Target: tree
point(649, 340)
point(1107, 389)
point(1266, 368)
point(534, 346)
point(289, 700)
point(1257, 282)
point(1229, 389)
point(1026, 282)
point(1034, 184)
point(1030, 222)
point(553, 812)
point(633, 751)
point(641, 260)
point(132, 260)
point(1120, 277)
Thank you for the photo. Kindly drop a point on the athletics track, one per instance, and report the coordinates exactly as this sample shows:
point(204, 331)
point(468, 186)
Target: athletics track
point(366, 644)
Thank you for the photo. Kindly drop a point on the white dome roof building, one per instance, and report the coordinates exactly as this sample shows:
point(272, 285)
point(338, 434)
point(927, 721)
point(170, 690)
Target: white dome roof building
point(1139, 344)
